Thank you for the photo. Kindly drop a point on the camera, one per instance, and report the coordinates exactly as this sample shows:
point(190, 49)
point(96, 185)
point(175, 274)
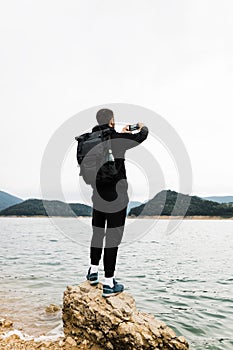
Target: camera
point(133, 127)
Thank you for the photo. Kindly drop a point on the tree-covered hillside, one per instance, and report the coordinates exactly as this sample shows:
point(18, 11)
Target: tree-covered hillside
point(38, 207)
point(163, 204)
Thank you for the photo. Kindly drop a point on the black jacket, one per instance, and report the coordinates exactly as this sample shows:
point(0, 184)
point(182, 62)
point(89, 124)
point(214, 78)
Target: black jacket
point(126, 141)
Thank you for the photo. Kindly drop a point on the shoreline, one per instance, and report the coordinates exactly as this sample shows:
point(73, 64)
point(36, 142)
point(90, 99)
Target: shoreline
point(169, 217)
point(14, 339)
point(154, 217)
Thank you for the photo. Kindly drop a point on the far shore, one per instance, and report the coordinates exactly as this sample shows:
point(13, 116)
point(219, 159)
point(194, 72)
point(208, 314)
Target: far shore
point(154, 217)
point(195, 217)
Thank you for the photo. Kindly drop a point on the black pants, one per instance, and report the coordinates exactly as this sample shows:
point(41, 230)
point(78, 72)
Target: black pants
point(113, 236)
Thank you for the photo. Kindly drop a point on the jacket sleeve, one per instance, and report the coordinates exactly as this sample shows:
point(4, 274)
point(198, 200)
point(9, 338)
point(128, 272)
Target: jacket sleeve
point(132, 140)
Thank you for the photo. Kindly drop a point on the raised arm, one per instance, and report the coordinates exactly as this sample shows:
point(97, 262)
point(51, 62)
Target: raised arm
point(138, 137)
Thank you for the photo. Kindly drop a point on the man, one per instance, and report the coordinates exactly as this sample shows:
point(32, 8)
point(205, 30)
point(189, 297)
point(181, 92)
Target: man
point(114, 219)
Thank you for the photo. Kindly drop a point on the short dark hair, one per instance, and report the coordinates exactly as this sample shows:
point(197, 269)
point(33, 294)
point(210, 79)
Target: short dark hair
point(104, 116)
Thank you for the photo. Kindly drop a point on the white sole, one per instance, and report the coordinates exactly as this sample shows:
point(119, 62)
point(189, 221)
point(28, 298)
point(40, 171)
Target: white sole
point(93, 283)
point(106, 295)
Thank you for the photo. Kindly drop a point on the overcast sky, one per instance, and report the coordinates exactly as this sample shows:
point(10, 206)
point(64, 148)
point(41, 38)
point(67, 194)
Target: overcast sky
point(61, 57)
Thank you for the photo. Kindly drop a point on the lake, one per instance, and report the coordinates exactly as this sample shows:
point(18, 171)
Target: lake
point(184, 279)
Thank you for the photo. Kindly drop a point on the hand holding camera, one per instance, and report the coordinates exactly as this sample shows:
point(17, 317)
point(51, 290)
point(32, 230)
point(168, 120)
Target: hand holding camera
point(131, 127)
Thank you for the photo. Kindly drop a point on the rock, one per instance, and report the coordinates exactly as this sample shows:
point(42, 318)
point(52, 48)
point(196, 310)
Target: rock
point(52, 308)
point(5, 323)
point(70, 344)
point(113, 323)
point(14, 342)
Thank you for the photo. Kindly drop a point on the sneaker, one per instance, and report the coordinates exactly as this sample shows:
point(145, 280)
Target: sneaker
point(92, 277)
point(109, 291)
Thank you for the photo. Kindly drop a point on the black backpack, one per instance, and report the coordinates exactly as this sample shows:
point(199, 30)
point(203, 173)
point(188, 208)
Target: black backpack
point(94, 157)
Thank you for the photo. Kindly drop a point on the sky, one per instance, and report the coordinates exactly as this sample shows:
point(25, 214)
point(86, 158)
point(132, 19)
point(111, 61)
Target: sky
point(61, 57)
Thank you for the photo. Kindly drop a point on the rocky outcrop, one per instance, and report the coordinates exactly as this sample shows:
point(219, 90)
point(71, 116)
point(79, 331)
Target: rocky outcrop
point(113, 323)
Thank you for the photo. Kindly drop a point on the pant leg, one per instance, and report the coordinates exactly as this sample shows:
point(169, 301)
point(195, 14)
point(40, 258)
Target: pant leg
point(114, 233)
point(98, 227)
point(98, 223)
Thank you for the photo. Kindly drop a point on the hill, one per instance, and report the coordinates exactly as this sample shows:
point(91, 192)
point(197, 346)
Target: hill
point(7, 200)
point(220, 199)
point(36, 207)
point(132, 204)
point(163, 204)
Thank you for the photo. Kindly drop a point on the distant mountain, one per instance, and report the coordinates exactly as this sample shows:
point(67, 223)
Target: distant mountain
point(6, 200)
point(163, 204)
point(220, 199)
point(132, 204)
point(36, 207)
